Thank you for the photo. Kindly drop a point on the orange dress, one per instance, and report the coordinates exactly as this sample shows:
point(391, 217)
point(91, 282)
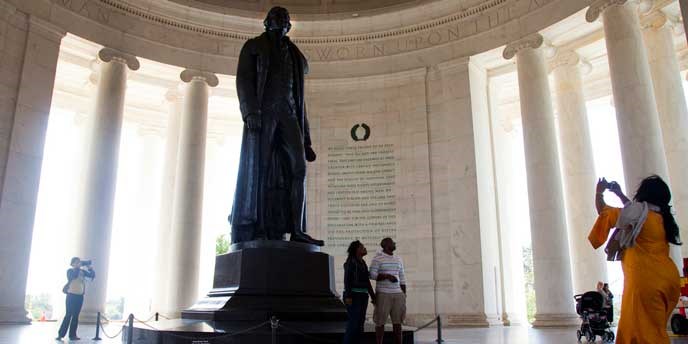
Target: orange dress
point(651, 280)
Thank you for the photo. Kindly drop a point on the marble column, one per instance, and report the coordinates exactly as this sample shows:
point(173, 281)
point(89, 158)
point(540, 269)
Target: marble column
point(173, 99)
point(512, 287)
point(101, 174)
point(640, 135)
point(185, 233)
point(553, 289)
point(578, 172)
point(672, 109)
point(642, 149)
point(29, 61)
point(143, 218)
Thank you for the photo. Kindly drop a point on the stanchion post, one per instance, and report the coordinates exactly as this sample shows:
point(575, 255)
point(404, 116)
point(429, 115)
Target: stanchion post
point(97, 337)
point(439, 329)
point(274, 324)
point(130, 332)
point(156, 316)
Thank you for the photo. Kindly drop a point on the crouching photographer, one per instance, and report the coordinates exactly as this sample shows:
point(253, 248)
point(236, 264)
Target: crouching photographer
point(75, 290)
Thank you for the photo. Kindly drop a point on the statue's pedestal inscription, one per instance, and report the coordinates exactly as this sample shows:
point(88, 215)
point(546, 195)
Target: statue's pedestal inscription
point(361, 194)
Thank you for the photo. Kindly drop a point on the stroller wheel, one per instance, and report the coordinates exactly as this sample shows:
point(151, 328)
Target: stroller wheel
point(677, 324)
point(590, 336)
point(611, 337)
point(579, 335)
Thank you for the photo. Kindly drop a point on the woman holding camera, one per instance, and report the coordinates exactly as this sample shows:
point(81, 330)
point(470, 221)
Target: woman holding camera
point(75, 290)
point(651, 281)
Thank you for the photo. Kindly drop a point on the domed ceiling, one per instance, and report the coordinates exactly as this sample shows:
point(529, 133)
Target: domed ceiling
point(306, 7)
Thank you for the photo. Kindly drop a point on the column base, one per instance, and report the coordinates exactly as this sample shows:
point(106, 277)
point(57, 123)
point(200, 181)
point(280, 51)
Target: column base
point(90, 317)
point(512, 319)
point(556, 320)
point(470, 320)
point(11, 315)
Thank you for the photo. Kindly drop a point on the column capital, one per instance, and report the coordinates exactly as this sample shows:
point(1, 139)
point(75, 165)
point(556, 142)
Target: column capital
point(565, 58)
point(109, 55)
point(188, 75)
point(655, 20)
point(173, 94)
point(599, 6)
point(533, 41)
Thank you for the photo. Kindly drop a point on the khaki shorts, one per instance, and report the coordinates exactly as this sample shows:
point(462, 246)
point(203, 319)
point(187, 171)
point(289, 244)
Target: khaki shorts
point(389, 305)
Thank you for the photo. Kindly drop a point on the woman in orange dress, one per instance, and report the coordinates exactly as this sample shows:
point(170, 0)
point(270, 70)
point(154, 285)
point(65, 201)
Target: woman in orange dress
point(651, 280)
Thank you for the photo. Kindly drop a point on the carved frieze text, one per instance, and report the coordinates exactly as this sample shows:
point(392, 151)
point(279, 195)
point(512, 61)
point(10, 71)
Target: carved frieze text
point(458, 26)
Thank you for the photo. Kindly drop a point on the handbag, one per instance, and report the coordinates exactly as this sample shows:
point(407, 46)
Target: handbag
point(613, 249)
point(65, 288)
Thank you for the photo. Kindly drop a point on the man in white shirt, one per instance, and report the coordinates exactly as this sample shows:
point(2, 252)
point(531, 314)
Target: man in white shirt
point(390, 287)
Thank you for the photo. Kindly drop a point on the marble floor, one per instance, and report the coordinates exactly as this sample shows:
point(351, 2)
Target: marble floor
point(44, 333)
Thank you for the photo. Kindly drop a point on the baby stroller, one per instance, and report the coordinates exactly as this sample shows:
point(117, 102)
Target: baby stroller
point(590, 307)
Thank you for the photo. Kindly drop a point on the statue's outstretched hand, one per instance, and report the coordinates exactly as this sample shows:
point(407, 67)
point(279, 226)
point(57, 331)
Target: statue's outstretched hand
point(253, 121)
point(310, 154)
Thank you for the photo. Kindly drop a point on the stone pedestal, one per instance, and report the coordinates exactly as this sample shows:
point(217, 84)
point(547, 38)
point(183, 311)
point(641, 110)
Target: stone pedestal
point(260, 279)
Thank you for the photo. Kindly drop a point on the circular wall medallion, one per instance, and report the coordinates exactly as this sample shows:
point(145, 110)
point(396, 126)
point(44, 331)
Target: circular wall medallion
point(356, 134)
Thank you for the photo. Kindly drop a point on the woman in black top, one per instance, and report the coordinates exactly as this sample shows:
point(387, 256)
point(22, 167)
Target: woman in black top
point(357, 287)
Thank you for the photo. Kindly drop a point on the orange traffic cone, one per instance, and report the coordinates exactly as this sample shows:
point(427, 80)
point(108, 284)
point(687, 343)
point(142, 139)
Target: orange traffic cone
point(42, 317)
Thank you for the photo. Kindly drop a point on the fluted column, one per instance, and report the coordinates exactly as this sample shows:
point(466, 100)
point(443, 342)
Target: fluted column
point(672, 109)
point(545, 194)
point(642, 150)
point(185, 235)
point(174, 99)
point(101, 174)
point(578, 172)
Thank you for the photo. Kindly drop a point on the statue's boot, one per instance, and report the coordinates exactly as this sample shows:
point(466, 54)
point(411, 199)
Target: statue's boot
point(305, 238)
point(297, 207)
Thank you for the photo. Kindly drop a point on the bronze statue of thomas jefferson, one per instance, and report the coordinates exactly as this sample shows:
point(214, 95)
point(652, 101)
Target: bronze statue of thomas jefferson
point(269, 200)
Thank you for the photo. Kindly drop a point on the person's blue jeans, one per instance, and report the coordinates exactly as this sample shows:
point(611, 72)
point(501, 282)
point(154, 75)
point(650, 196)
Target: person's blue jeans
point(357, 313)
point(71, 319)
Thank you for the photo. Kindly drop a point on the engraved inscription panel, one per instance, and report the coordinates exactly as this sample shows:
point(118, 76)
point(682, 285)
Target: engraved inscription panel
point(361, 194)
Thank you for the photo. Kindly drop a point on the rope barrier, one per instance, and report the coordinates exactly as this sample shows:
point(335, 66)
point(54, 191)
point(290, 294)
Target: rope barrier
point(102, 328)
point(162, 316)
point(426, 325)
point(229, 335)
point(307, 336)
point(274, 323)
point(437, 320)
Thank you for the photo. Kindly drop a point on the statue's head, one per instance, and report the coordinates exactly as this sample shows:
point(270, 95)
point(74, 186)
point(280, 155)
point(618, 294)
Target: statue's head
point(277, 20)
